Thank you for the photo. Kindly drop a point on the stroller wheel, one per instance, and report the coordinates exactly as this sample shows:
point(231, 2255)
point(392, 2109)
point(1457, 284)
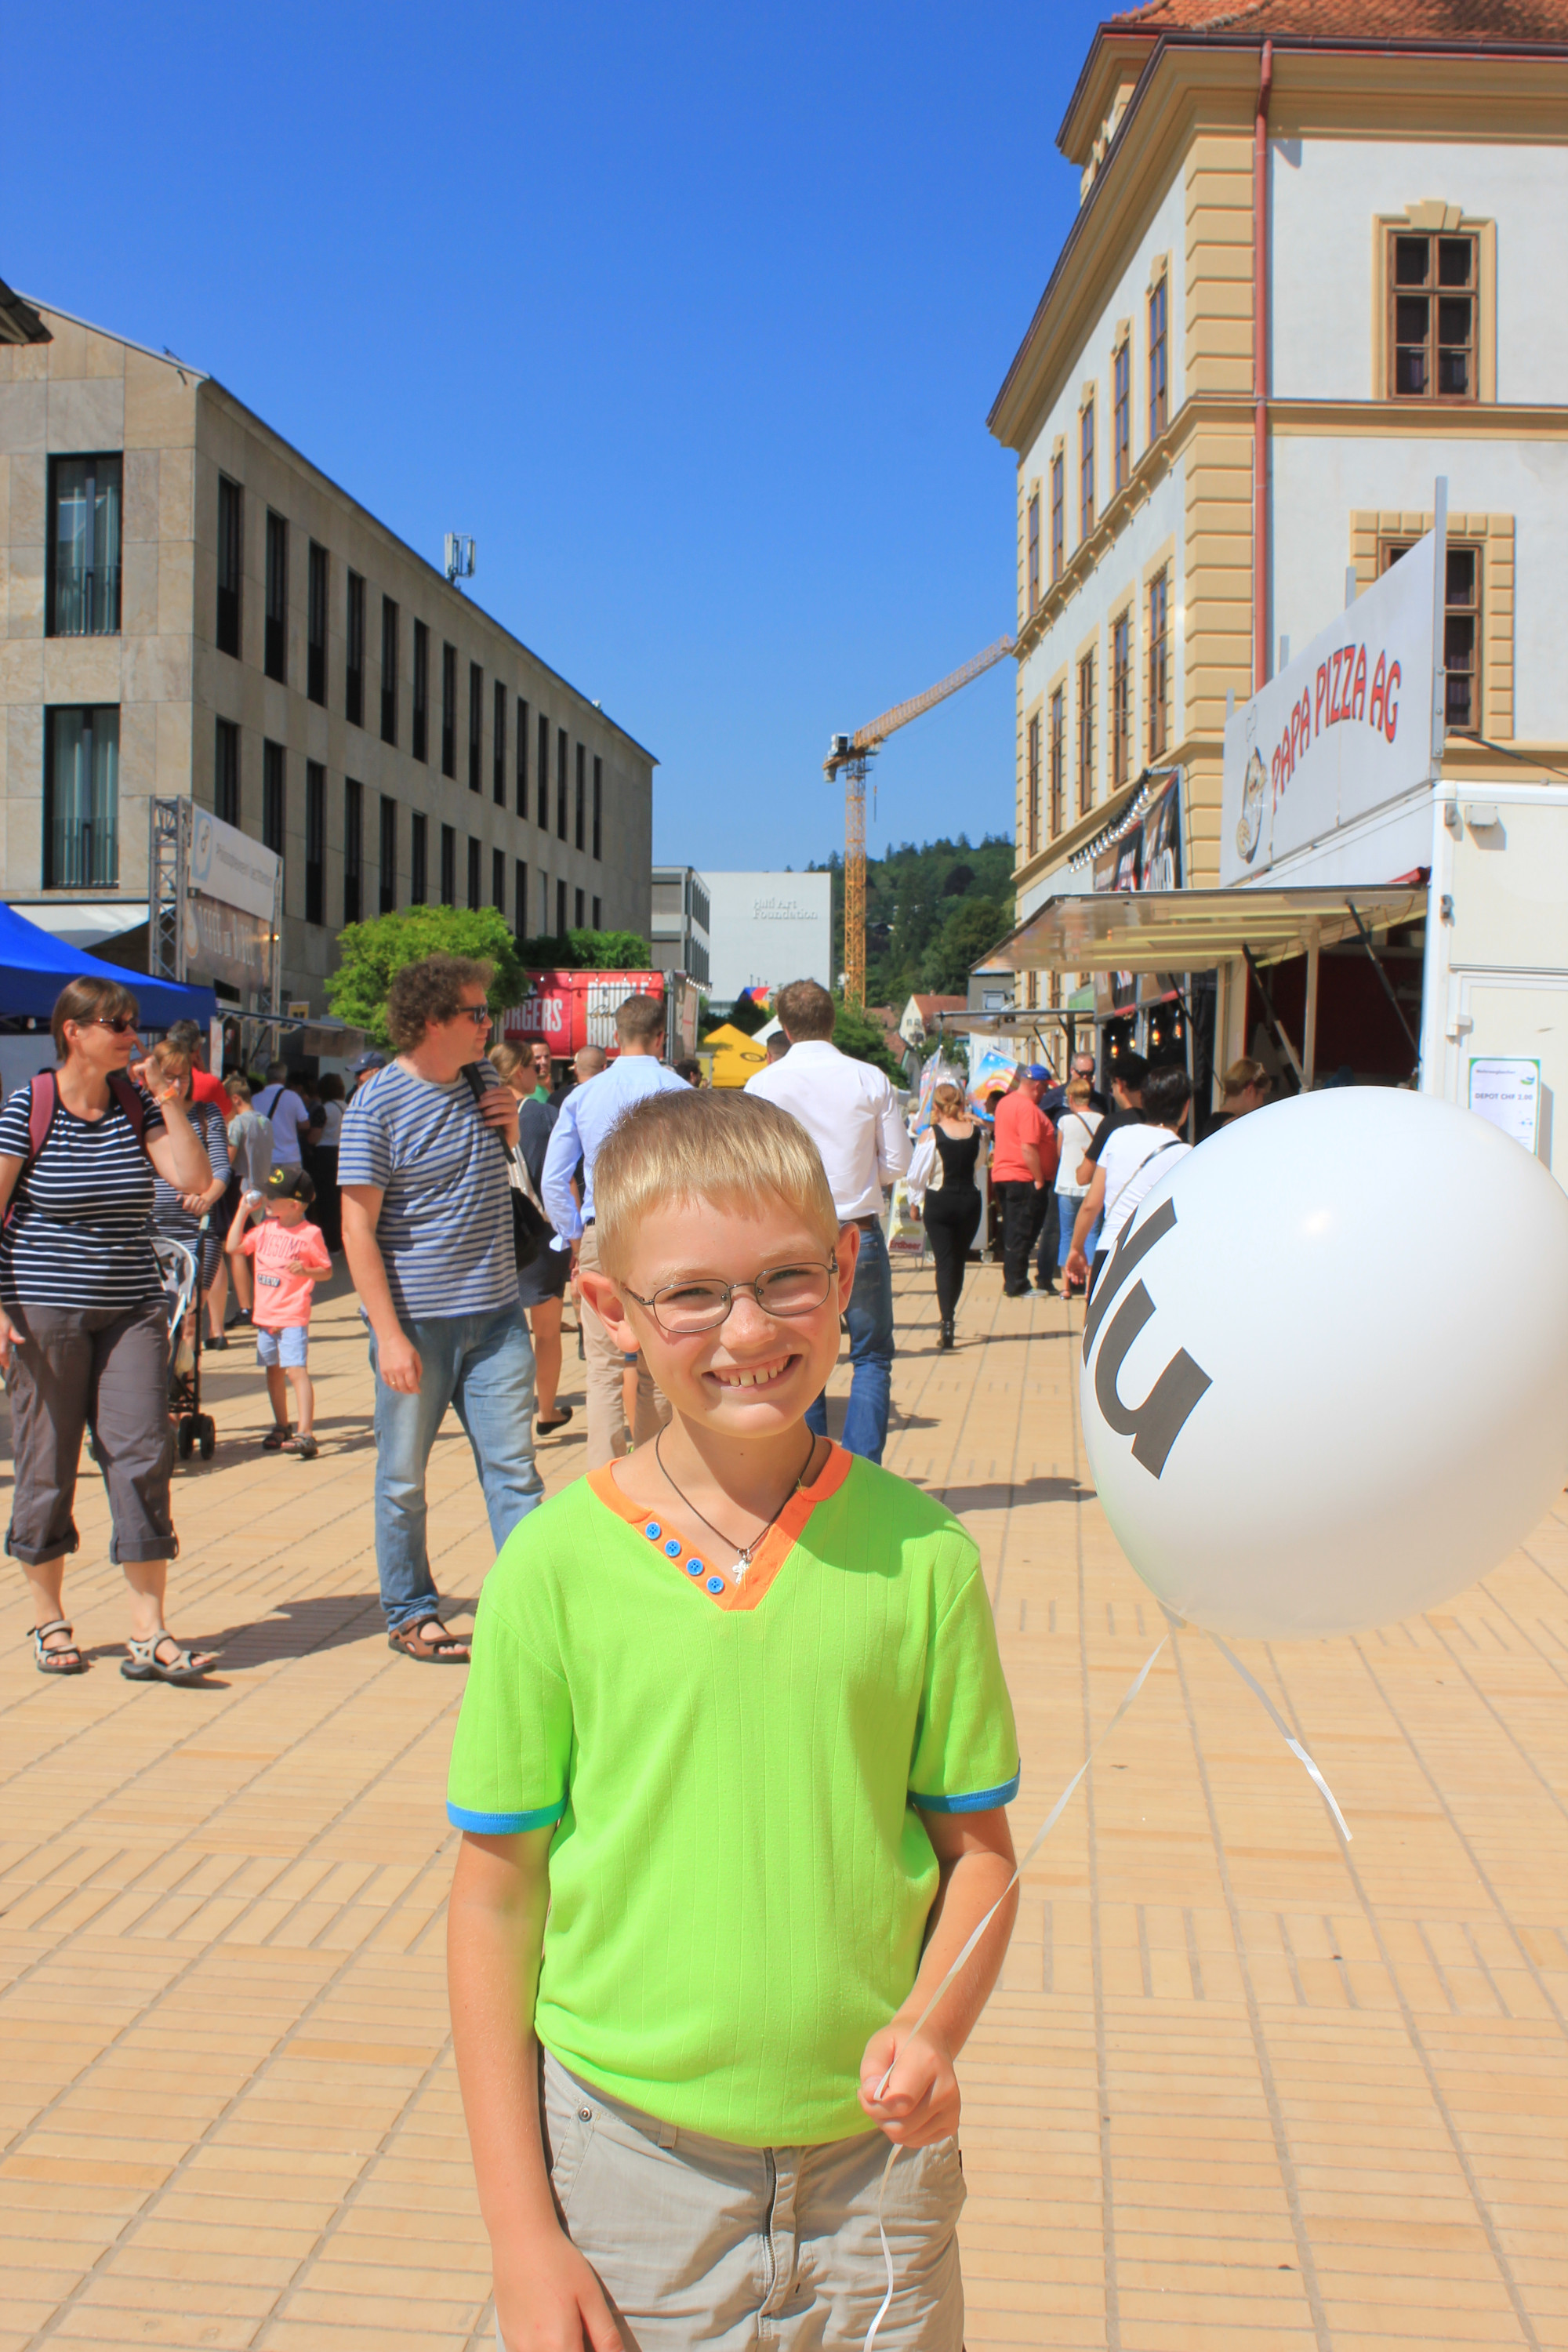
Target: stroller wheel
point(185, 1436)
point(208, 1435)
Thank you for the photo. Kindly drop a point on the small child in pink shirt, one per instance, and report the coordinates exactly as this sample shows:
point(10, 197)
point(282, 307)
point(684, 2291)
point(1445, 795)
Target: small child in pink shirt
point(291, 1257)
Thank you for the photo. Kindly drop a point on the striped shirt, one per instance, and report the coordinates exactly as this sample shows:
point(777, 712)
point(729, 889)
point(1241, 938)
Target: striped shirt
point(445, 1229)
point(78, 1235)
point(173, 1216)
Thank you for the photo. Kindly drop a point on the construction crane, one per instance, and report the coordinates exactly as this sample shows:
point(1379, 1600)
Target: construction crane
point(852, 755)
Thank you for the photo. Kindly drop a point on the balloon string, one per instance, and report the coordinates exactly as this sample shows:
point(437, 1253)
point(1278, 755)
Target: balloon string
point(1030, 1851)
point(1283, 1728)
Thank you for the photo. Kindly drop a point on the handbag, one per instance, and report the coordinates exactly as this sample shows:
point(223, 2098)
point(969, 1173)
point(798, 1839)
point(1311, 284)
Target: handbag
point(530, 1230)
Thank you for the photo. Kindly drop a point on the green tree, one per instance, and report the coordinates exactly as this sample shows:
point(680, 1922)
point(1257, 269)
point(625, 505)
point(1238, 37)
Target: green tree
point(861, 1039)
point(911, 894)
point(370, 954)
point(586, 950)
point(969, 932)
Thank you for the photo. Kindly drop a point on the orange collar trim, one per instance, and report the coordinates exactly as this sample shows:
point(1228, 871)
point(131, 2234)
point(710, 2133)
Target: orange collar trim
point(692, 1561)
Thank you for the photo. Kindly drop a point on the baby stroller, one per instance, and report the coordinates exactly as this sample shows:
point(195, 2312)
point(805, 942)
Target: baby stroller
point(194, 1429)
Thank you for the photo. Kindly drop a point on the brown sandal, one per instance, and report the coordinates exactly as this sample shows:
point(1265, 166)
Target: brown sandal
point(65, 1658)
point(446, 1649)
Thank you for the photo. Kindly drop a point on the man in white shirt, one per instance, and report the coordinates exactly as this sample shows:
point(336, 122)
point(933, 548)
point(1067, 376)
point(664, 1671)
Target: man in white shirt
point(848, 1109)
point(1131, 1163)
point(288, 1111)
point(586, 1116)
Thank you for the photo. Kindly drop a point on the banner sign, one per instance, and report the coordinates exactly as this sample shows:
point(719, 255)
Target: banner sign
point(1505, 1090)
point(1147, 857)
point(1345, 728)
point(227, 943)
point(227, 864)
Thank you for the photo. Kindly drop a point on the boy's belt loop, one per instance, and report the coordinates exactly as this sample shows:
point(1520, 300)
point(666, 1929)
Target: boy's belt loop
point(667, 2136)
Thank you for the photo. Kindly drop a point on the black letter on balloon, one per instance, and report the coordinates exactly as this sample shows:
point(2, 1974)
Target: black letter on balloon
point(1156, 1423)
point(1129, 1250)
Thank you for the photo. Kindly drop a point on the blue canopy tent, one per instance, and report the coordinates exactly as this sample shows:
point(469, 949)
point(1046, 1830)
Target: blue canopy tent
point(35, 967)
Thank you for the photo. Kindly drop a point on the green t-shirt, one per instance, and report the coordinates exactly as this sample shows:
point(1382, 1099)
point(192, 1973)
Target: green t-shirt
point(740, 1883)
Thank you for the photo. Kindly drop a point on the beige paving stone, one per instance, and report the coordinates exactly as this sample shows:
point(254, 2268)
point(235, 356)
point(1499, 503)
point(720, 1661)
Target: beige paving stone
point(1240, 2089)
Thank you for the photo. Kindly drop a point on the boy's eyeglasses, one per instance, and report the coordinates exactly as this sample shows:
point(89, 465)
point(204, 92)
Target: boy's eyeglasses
point(683, 1307)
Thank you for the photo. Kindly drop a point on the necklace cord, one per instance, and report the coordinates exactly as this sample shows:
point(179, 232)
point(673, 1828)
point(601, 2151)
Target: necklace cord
point(743, 1551)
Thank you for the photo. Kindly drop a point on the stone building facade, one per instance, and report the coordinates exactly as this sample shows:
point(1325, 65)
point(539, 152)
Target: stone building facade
point(189, 606)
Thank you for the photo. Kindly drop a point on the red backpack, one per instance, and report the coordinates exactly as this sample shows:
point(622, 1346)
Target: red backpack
point(44, 1100)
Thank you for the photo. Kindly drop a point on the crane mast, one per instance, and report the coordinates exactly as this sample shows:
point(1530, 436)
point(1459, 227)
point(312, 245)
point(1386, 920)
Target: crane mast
point(850, 756)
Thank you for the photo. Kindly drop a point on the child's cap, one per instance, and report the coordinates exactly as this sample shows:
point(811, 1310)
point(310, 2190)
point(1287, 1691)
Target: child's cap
point(290, 1184)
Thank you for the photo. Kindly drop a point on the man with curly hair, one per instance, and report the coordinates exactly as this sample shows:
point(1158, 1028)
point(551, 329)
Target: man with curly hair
point(427, 1232)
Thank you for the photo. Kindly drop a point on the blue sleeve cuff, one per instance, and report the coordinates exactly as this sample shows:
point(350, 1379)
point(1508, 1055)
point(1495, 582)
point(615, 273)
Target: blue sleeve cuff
point(502, 1824)
point(981, 1800)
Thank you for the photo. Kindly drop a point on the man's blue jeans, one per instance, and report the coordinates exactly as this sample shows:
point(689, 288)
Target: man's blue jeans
point(870, 1321)
point(482, 1365)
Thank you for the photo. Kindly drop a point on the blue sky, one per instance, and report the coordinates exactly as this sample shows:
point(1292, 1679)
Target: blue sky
point(692, 317)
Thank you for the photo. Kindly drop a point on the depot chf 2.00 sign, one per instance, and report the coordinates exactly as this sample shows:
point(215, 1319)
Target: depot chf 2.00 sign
point(1343, 731)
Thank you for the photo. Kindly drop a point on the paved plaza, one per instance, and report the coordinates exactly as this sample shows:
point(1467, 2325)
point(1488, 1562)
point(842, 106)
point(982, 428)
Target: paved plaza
point(1240, 2087)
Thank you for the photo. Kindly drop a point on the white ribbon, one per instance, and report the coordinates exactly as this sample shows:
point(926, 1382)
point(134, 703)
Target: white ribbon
point(1030, 1851)
point(1283, 1728)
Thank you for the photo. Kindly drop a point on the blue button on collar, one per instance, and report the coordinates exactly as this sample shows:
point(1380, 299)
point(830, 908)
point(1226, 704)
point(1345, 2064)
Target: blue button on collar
point(694, 1567)
point(653, 1531)
point(715, 1584)
point(673, 1547)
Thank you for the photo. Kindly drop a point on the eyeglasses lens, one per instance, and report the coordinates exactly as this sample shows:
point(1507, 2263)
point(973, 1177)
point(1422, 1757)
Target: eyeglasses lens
point(702, 1306)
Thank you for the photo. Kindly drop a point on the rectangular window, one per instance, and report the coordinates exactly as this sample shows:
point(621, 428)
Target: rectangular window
point(1059, 514)
point(476, 723)
point(418, 877)
point(275, 635)
point(473, 875)
point(354, 848)
point(1432, 301)
point(580, 809)
point(1085, 471)
point(315, 842)
point(353, 673)
point(561, 784)
point(560, 910)
point(1121, 416)
point(1059, 756)
point(230, 563)
point(85, 520)
point(545, 905)
point(1159, 665)
point(388, 873)
point(498, 879)
point(1086, 735)
point(316, 577)
point(1120, 700)
point(274, 797)
point(1034, 546)
point(389, 633)
point(448, 710)
point(448, 866)
point(544, 769)
point(521, 763)
point(81, 797)
point(1159, 398)
point(1031, 788)
point(225, 772)
point(1461, 631)
point(498, 748)
point(421, 743)
point(598, 919)
point(521, 881)
point(598, 808)
point(582, 909)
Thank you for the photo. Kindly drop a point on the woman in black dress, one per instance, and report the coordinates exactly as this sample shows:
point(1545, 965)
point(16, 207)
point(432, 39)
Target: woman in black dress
point(952, 1197)
point(541, 1287)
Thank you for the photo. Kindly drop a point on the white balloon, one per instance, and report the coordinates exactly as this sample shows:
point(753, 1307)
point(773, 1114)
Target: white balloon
point(1325, 1375)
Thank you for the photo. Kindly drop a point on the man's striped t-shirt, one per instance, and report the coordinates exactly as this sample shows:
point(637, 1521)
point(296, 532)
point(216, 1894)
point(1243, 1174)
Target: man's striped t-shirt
point(445, 1230)
point(79, 1234)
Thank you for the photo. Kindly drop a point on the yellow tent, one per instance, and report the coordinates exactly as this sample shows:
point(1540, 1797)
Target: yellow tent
point(735, 1055)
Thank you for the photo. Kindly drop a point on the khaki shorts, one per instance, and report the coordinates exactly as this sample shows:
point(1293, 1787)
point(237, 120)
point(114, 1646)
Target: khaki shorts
point(697, 2242)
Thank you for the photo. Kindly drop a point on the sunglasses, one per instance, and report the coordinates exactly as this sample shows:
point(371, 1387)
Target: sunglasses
point(121, 1024)
point(479, 1015)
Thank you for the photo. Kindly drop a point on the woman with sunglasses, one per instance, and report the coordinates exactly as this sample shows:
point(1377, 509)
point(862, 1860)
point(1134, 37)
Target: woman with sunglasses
point(83, 1339)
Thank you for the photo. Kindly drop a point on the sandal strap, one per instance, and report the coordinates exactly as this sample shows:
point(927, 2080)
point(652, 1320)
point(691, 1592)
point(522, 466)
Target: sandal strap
point(55, 1625)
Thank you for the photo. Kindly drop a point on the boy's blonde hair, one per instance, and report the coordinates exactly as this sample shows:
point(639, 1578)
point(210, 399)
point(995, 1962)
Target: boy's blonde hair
point(717, 1145)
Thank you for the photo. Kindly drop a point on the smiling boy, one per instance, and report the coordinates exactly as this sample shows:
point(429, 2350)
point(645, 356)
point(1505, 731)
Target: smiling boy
point(731, 1766)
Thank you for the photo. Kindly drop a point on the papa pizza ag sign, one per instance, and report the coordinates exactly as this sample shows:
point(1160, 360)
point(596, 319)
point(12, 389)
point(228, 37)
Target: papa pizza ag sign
point(1341, 731)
